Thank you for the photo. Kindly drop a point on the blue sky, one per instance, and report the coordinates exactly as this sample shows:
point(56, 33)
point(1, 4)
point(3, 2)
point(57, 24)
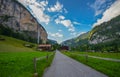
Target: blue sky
point(66, 19)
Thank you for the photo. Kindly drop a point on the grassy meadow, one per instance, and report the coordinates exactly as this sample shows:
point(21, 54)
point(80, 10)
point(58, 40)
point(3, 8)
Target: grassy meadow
point(14, 45)
point(99, 54)
point(107, 67)
point(16, 60)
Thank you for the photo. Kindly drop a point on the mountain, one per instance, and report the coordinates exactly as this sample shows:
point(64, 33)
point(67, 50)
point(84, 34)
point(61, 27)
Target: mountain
point(53, 42)
point(15, 16)
point(80, 40)
point(105, 32)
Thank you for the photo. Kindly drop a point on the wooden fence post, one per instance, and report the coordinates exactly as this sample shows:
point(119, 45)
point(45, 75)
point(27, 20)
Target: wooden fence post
point(86, 57)
point(34, 61)
point(35, 69)
point(47, 57)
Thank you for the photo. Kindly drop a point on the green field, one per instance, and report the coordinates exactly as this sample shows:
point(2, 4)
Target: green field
point(20, 64)
point(14, 45)
point(16, 60)
point(107, 67)
point(99, 54)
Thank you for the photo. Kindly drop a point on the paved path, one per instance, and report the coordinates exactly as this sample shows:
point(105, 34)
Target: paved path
point(63, 66)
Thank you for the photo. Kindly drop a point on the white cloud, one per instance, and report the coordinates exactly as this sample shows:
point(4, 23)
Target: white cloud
point(110, 13)
point(71, 29)
point(56, 8)
point(44, 3)
point(56, 35)
point(65, 10)
point(57, 21)
point(37, 9)
point(76, 23)
point(60, 30)
point(61, 17)
point(65, 22)
point(100, 5)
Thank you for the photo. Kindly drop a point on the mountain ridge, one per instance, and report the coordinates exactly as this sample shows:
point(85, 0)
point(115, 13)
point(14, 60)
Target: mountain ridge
point(104, 33)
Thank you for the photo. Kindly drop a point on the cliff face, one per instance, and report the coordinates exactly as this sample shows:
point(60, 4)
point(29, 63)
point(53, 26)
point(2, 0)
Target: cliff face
point(20, 19)
point(106, 32)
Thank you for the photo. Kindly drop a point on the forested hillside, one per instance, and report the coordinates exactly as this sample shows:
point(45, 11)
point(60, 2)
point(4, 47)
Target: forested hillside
point(104, 37)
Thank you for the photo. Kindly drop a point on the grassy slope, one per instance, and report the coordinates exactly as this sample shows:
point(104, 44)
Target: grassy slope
point(108, 67)
point(13, 45)
point(17, 60)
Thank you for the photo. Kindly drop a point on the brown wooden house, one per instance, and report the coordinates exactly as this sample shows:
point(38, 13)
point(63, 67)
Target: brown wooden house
point(64, 48)
point(44, 47)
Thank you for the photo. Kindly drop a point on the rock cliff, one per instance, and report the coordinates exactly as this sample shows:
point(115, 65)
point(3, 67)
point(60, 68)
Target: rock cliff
point(21, 20)
point(106, 32)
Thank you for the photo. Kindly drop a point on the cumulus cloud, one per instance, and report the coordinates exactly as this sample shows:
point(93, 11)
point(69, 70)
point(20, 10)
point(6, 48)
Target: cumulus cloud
point(39, 14)
point(110, 13)
point(37, 9)
point(61, 17)
point(56, 8)
point(100, 5)
point(60, 30)
point(56, 35)
point(76, 23)
point(65, 22)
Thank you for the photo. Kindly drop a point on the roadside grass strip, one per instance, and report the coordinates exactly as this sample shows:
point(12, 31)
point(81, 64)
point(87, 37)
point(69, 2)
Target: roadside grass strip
point(20, 64)
point(109, 68)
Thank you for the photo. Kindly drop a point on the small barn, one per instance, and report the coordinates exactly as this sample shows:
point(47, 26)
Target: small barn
point(44, 47)
point(64, 48)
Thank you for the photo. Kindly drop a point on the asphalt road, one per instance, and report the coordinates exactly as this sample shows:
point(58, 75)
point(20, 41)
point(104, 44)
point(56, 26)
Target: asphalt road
point(63, 66)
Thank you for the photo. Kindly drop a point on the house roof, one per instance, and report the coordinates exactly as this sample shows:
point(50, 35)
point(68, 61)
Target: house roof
point(44, 45)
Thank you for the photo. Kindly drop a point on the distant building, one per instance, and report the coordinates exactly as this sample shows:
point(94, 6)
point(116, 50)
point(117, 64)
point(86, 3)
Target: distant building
point(44, 47)
point(64, 48)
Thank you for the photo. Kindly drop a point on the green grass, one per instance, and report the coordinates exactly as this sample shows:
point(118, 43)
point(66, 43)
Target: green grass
point(16, 60)
point(14, 45)
point(20, 64)
point(99, 54)
point(112, 69)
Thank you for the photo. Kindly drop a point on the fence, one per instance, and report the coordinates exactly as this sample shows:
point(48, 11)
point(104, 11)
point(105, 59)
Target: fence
point(40, 58)
point(86, 57)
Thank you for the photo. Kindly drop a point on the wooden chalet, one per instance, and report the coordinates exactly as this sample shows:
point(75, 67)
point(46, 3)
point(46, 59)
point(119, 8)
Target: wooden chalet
point(64, 48)
point(44, 47)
